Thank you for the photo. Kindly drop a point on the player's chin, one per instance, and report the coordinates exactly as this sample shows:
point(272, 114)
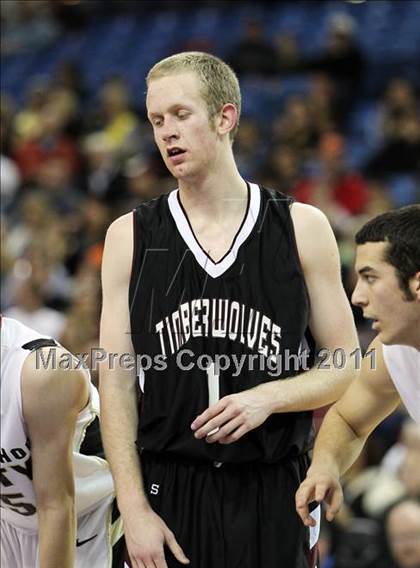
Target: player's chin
point(183, 170)
point(179, 173)
point(386, 338)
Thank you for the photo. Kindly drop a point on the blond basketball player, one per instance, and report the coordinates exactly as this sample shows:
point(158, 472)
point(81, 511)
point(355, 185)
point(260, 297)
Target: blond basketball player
point(219, 267)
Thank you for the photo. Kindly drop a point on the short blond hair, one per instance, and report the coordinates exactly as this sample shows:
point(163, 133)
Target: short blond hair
point(219, 81)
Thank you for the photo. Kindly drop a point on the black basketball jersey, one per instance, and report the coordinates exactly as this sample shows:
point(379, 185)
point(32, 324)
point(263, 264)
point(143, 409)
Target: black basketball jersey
point(207, 329)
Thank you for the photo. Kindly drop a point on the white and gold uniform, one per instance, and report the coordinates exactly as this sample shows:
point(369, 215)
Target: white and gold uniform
point(93, 481)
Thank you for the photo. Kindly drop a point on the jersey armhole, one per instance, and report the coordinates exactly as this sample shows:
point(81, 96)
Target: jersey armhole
point(132, 289)
point(295, 247)
point(134, 257)
point(38, 343)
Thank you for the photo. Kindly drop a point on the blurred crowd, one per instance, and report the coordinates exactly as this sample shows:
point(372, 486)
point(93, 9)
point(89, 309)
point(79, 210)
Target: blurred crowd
point(73, 160)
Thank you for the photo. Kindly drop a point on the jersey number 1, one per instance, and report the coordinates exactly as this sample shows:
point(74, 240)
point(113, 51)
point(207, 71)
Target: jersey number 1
point(213, 383)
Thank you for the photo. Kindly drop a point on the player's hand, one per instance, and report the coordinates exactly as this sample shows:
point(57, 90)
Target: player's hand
point(319, 485)
point(145, 543)
point(232, 417)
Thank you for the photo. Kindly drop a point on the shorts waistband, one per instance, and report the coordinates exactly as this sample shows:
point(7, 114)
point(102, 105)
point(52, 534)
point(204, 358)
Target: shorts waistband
point(187, 461)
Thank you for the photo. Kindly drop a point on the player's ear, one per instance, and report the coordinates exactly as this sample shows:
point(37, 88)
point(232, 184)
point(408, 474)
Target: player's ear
point(415, 285)
point(227, 119)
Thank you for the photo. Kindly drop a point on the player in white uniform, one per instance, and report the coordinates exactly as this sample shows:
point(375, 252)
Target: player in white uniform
point(388, 291)
point(49, 473)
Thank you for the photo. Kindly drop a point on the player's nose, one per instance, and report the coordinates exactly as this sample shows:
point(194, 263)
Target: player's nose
point(358, 298)
point(169, 131)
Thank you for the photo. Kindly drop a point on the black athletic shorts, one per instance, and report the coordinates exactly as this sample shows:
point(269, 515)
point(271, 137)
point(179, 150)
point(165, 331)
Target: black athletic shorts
point(230, 515)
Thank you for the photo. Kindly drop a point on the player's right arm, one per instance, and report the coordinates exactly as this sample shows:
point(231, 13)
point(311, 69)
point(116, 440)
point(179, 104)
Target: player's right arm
point(51, 401)
point(370, 398)
point(145, 532)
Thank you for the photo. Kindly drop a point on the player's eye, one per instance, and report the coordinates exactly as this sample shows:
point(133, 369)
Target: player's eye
point(157, 121)
point(183, 114)
point(370, 279)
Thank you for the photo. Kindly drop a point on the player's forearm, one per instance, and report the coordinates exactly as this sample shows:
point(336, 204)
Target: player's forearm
point(337, 445)
point(309, 390)
point(57, 534)
point(119, 420)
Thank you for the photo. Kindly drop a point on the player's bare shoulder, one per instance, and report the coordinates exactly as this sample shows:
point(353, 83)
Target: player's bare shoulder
point(118, 250)
point(121, 226)
point(50, 378)
point(298, 208)
point(374, 370)
point(314, 236)
point(306, 217)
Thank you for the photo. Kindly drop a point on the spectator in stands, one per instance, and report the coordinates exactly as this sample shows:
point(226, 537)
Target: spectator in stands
point(68, 104)
point(409, 471)
point(49, 142)
point(375, 488)
point(81, 329)
point(30, 221)
point(400, 151)
point(249, 148)
point(46, 259)
point(323, 105)
point(6, 259)
point(27, 25)
point(116, 118)
point(69, 76)
point(254, 55)
point(95, 218)
point(143, 182)
point(27, 124)
point(409, 441)
point(341, 60)
point(295, 127)
point(282, 170)
point(29, 308)
point(37, 246)
point(55, 179)
point(399, 107)
point(335, 190)
point(287, 52)
point(103, 178)
point(401, 528)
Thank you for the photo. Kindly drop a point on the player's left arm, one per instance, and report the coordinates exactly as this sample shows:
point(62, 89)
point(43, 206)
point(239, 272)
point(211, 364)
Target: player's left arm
point(331, 319)
point(332, 325)
point(51, 401)
point(344, 431)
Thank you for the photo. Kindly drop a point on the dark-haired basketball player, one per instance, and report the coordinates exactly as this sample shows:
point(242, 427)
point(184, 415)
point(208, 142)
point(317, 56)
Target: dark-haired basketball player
point(388, 291)
point(215, 286)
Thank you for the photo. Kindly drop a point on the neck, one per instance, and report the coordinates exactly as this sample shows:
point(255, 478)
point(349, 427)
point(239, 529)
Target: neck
point(218, 192)
point(412, 337)
point(415, 334)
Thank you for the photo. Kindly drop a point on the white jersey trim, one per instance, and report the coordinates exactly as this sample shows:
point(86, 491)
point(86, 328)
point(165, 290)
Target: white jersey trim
point(215, 269)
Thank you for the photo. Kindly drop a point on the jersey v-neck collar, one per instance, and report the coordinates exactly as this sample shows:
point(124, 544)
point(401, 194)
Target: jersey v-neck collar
point(212, 268)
